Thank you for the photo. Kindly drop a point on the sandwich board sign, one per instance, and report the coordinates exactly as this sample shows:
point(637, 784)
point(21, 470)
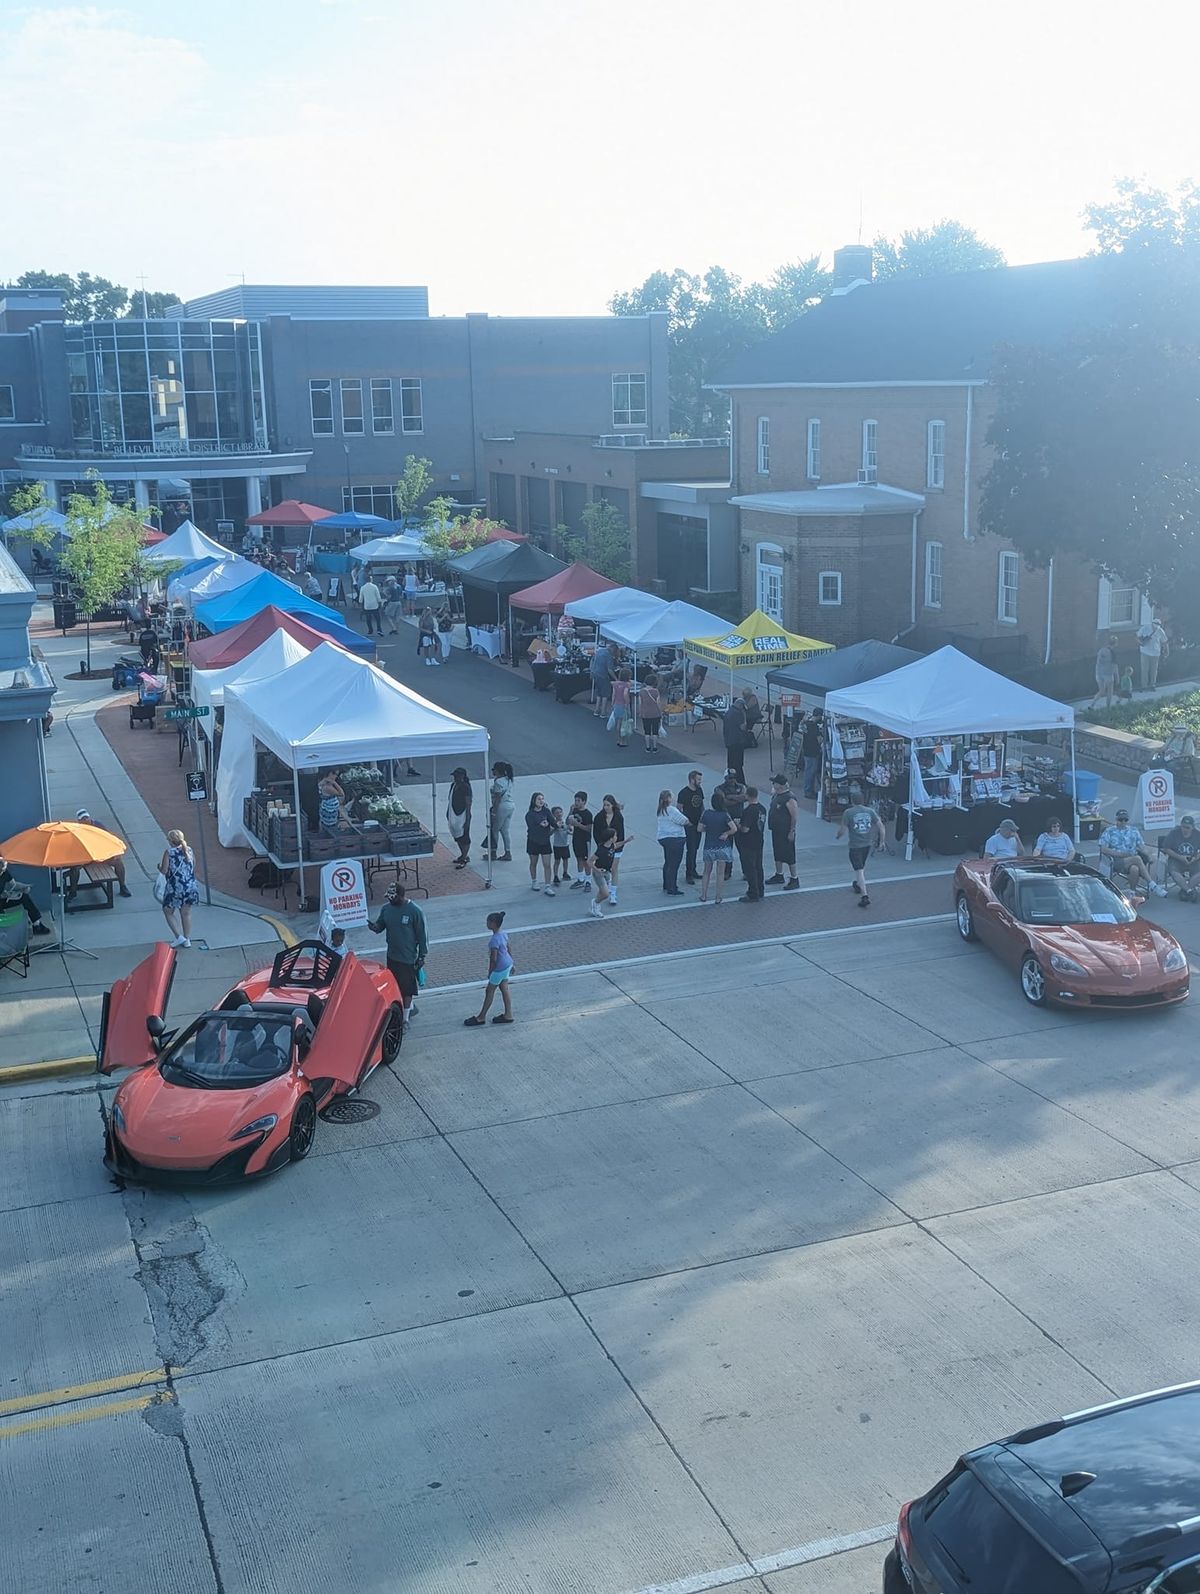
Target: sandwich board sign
point(344, 894)
point(1156, 793)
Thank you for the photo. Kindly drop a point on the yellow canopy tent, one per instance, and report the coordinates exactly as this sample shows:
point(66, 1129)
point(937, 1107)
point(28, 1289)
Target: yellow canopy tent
point(759, 643)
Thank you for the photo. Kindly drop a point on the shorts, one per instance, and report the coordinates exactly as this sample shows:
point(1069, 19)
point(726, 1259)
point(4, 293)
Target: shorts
point(650, 726)
point(498, 976)
point(562, 854)
point(783, 847)
point(722, 853)
point(858, 857)
point(405, 975)
point(580, 846)
point(538, 849)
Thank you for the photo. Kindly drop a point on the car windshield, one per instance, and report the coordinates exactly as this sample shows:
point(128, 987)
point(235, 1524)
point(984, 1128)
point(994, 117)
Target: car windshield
point(227, 1050)
point(1071, 899)
point(982, 1546)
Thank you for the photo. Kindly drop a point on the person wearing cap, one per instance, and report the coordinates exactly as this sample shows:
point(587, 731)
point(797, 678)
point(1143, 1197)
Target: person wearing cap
point(1123, 848)
point(82, 817)
point(1180, 851)
point(865, 830)
point(781, 822)
point(1004, 842)
point(403, 923)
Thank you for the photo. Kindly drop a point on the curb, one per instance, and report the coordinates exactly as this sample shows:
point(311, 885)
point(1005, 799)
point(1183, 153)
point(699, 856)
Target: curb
point(60, 1068)
point(286, 935)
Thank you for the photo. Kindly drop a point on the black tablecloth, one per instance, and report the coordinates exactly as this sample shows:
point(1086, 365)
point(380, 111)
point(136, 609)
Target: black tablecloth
point(543, 676)
point(569, 684)
point(948, 831)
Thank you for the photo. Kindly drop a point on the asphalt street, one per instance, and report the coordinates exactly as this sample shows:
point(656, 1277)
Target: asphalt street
point(685, 1281)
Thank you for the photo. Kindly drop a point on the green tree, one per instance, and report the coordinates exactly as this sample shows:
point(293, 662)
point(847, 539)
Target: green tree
point(150, 306)
point(413, 485)
point(933, 252)
point(1137, 217)
point(1095, 436)
point(103, 549)
point(603, 543)
point(29, 502)
point(88, 298)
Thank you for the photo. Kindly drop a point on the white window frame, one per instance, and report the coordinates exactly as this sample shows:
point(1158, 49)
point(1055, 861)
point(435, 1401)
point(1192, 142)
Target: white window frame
point(813, 460)
point(1106, 590)
point(870, 451)
point(822, 577)
point(1008, 582)
point(11, 418)
point(934, 579)
point(764, 445)
point(321, 384)
point(760, 567)
point(383, 425)
point(624, 410)
point(410, 424)
point(356, 425)
point(369, 499)
point(935, 455)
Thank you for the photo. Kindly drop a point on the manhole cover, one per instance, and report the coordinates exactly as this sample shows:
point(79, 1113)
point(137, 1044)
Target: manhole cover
point(349, 1110)
point(513, 699)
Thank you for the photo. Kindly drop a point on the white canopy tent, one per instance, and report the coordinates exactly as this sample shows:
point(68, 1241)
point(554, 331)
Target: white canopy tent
point(186, 542)
point(330, 708)
point(44, 519)
point(667, 627)
point(948, 694)
point(602, 606)
point(224, 576)
point(279, 652)
point(390, 550)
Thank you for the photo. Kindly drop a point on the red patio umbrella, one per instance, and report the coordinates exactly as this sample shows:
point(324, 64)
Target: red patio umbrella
point(289, 513)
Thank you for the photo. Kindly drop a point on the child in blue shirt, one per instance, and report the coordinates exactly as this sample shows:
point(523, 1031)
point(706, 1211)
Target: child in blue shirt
point(500, 967)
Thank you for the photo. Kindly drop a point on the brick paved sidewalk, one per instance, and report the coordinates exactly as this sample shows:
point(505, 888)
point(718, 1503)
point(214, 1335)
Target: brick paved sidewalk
point(683, 929)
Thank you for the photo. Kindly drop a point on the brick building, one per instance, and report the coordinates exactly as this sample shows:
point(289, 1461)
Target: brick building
point(859, 449)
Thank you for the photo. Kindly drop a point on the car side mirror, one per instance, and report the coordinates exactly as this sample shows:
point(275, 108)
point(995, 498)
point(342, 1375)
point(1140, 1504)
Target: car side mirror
point(157, 1029)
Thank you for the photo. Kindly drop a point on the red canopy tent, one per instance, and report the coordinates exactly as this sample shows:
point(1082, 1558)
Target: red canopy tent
point(289, 513)
point(550, 596)
point(152, 535)
point(227, 647)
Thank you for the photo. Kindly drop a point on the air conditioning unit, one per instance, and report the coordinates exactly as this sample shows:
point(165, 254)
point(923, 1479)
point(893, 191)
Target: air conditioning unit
point(867, 478)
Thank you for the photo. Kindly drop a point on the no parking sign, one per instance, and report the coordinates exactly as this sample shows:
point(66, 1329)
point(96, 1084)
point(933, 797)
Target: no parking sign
point(1156, 792)
point(343, 894)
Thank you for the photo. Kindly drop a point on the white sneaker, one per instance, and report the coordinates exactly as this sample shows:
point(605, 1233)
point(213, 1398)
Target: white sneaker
point(550, 891)
point(612, 897)
point(594, 910)
point(1160, 891)
point(534, 886)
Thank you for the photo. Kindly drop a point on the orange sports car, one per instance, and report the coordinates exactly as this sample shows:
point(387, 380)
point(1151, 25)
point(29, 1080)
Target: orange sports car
point(237, 1092)
point(1071, 936)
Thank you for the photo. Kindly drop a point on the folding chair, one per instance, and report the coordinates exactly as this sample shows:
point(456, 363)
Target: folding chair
point(14, 941)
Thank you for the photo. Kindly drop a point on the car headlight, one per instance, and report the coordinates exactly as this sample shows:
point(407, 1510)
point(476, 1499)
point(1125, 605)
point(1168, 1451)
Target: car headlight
point(257, 1126)
point(1062, 964)
point(1175, 959)
point(118, 1117)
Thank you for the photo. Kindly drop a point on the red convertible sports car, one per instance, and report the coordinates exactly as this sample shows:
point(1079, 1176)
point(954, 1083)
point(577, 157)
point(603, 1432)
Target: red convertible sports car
point(237, 1092)
point(1070, 934)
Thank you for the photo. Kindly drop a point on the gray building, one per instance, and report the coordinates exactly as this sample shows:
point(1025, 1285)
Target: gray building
point(246, 397)
point(26, 688)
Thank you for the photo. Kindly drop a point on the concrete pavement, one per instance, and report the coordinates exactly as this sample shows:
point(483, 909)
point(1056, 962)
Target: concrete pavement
point(684, 1281)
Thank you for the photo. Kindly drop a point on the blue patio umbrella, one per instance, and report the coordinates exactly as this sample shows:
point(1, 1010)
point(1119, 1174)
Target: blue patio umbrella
point(353, 521)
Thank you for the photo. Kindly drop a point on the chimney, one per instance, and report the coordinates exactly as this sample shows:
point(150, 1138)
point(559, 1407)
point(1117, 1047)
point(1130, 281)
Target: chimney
point(852, 265)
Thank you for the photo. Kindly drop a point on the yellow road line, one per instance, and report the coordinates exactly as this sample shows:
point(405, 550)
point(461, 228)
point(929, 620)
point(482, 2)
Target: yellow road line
point(62, 1397)
point(287, 936)
point(64, 1419)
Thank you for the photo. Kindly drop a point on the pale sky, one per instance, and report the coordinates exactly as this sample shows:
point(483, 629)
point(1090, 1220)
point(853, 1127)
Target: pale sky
point(534, 156)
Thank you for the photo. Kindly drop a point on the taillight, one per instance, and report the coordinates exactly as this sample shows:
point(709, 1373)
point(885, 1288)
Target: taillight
point(903, 1535)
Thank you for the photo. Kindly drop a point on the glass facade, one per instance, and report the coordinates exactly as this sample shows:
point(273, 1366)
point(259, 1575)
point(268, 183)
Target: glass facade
point(158, 387)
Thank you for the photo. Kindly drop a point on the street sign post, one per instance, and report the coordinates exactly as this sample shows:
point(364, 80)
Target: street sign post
point(186, 713)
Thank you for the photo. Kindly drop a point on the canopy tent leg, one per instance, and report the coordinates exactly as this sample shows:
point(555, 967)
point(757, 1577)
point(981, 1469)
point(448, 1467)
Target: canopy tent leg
point(299, 828)
point(491, 851)
point(1074, 788)
point(770, 731)
point(912, 812)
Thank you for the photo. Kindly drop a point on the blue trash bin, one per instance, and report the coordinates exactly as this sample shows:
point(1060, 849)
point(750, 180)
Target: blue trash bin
point(1087, 785)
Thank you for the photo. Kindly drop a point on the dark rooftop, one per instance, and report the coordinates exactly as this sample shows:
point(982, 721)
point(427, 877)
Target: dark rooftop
point(930, 329)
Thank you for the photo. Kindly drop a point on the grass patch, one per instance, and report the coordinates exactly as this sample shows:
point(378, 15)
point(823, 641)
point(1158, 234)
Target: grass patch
point(1155, 719)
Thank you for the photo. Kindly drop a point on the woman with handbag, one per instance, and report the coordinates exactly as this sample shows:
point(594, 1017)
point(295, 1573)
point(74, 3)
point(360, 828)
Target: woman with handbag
point(619, 719)
point(176, 889)
point(503, 808)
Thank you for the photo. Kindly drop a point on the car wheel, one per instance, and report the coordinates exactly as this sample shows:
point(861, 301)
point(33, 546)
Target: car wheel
point(304, 1129)
point(393, 1034)
point(1033, 981)
point(966, 922)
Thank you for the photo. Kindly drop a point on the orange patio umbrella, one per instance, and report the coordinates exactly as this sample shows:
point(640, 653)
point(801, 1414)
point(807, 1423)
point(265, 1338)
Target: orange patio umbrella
point(62, 844)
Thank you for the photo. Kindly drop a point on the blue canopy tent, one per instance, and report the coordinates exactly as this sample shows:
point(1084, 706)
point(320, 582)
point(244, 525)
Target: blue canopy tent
point(231, 608)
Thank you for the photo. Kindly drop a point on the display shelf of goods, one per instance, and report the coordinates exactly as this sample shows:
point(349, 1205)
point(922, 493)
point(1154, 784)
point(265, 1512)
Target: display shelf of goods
point(409, 843)
point(391, 811)
point(281, 836)
point(359, 780)
point(346, 845)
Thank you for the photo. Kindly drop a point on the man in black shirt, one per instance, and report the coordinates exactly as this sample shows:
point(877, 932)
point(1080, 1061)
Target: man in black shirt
point(749, 841)
point(13, 894)
point(733, 796)
point(733, 731)
point(812, 738)
point(690, 799)
point(781, 821)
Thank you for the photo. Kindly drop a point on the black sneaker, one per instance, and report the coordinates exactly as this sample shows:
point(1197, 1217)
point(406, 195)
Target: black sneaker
point(41, 929)
point(413, 1010)
point(792, 885)
point(774, 880)
point(856, 888)
point(864, 901)
point(125, 892)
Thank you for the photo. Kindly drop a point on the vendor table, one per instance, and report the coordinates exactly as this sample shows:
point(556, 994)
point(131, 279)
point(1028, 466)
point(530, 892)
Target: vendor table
point(569, 684)
point(950, 831)
point(402, 866)
point(543, 675)
point(488, 642)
